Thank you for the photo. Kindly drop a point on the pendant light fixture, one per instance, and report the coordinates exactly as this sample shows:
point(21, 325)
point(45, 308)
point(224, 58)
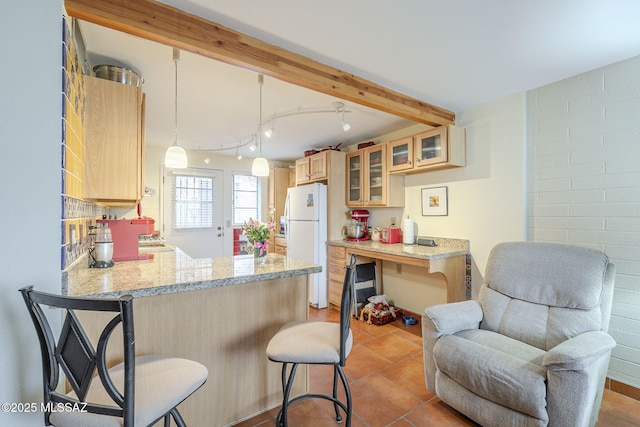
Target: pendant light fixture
point(176, 157)
point(260, 165)
point(345, 126)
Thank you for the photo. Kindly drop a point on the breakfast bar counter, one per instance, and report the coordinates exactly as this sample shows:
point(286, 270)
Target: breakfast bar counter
point(174, 271)
point(221, 312)
point(447, 257)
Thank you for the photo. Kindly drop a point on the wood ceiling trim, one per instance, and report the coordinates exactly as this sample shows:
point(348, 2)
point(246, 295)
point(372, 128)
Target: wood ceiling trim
point(170, 26)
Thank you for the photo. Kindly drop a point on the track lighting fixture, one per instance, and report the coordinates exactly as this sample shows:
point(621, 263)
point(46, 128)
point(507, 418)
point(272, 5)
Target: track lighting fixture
point(255, 142)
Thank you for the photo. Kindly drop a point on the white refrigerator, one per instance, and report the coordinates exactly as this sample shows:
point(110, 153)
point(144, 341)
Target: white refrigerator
point(306, 232)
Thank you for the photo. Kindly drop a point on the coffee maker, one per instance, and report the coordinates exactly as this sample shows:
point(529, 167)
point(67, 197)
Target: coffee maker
point(359, 219)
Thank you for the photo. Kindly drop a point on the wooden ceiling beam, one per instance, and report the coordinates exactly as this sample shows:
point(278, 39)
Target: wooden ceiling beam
point(164, 24)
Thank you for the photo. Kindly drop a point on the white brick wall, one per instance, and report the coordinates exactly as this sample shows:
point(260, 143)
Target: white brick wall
point(583, 168)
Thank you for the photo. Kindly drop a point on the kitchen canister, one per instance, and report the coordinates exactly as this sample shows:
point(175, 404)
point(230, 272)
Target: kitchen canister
point(408, 231)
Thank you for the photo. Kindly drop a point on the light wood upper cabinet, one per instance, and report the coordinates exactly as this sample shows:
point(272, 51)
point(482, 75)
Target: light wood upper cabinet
point(367, 180)
point(114, 142)
point(313, 168)
point(401, 154)
point(440, 148)
point(327, 167)
point(278, 185)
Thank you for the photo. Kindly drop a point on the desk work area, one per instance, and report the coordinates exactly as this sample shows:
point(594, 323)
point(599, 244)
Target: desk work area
point(447, 258)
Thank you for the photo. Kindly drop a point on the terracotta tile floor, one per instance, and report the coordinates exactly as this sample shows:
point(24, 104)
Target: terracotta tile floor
point(385, 373)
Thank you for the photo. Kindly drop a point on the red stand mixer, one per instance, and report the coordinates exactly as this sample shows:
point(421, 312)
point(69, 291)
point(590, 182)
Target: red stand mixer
point(358, 230)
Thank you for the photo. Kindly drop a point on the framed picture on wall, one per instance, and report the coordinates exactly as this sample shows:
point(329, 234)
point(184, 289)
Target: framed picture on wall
point(434, 201)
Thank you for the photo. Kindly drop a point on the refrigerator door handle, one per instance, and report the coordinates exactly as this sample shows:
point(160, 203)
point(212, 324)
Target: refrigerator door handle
point(287, 235)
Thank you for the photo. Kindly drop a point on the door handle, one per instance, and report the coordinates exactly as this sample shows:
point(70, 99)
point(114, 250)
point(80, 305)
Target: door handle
point(219, 228)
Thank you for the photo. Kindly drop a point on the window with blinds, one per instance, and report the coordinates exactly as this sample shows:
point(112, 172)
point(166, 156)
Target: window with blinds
point(193, 197)
point(246, 198)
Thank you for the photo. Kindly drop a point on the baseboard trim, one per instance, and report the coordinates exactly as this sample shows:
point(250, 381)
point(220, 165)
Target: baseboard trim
point(622, 388)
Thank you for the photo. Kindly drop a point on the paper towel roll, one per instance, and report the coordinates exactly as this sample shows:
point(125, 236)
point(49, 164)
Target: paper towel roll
point(408, 237)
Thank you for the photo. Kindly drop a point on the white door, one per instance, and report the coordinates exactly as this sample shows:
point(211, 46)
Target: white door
point(192, 211)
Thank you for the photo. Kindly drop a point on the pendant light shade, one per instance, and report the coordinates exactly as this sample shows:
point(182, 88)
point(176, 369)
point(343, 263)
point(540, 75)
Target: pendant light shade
point(176, 156)
point(260, 166)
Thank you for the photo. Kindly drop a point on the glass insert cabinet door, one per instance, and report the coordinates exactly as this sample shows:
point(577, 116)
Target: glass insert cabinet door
point(431, 147)
point(401, 154)
point(354, 177)
point(376, 175)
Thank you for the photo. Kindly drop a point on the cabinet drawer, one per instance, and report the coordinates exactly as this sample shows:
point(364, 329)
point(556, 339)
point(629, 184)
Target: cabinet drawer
point(337, 254)
point(335, 291)
point(335, 271)
point(280, 241)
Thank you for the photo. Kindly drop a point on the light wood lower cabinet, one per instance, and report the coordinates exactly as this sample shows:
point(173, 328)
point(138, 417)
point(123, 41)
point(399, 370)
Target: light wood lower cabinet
point(337, 260)
point(280, 245)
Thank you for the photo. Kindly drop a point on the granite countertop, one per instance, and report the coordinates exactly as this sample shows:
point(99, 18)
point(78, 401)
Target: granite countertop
point(444, 248)
point(175, 271)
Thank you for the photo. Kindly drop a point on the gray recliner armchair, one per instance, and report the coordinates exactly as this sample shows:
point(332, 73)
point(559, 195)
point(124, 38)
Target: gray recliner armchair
point(533, 350)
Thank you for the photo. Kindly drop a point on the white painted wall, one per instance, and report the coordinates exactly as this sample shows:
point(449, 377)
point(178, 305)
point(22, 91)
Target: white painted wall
point(30, 119)
point(584, 167)
point(486, 198)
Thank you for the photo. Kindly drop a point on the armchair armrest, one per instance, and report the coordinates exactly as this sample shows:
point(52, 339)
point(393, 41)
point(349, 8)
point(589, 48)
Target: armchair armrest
point(577, 364)
point(454, 317)
point(577, 353)
point(445, 319)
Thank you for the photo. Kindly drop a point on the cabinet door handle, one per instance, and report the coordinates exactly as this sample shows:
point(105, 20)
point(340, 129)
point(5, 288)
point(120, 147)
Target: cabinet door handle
point(409, 162)
point(417, 159)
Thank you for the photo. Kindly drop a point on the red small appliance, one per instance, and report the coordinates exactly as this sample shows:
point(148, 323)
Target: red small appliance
point(391, 235)
point(361, 217)
point(124, 233)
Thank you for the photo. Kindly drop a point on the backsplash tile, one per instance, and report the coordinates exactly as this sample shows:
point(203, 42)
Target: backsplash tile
point(77, 214)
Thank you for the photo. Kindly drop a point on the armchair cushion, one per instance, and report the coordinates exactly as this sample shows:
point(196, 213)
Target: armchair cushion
point(547, 274)
point(495, 367)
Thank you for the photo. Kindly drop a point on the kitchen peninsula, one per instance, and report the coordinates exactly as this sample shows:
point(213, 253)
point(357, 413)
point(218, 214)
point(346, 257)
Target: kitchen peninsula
point(220, 312)
point(447, 257)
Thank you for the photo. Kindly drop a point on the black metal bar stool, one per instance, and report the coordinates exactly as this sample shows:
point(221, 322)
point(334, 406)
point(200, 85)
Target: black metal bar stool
point(316, 343)
point(137, 392)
